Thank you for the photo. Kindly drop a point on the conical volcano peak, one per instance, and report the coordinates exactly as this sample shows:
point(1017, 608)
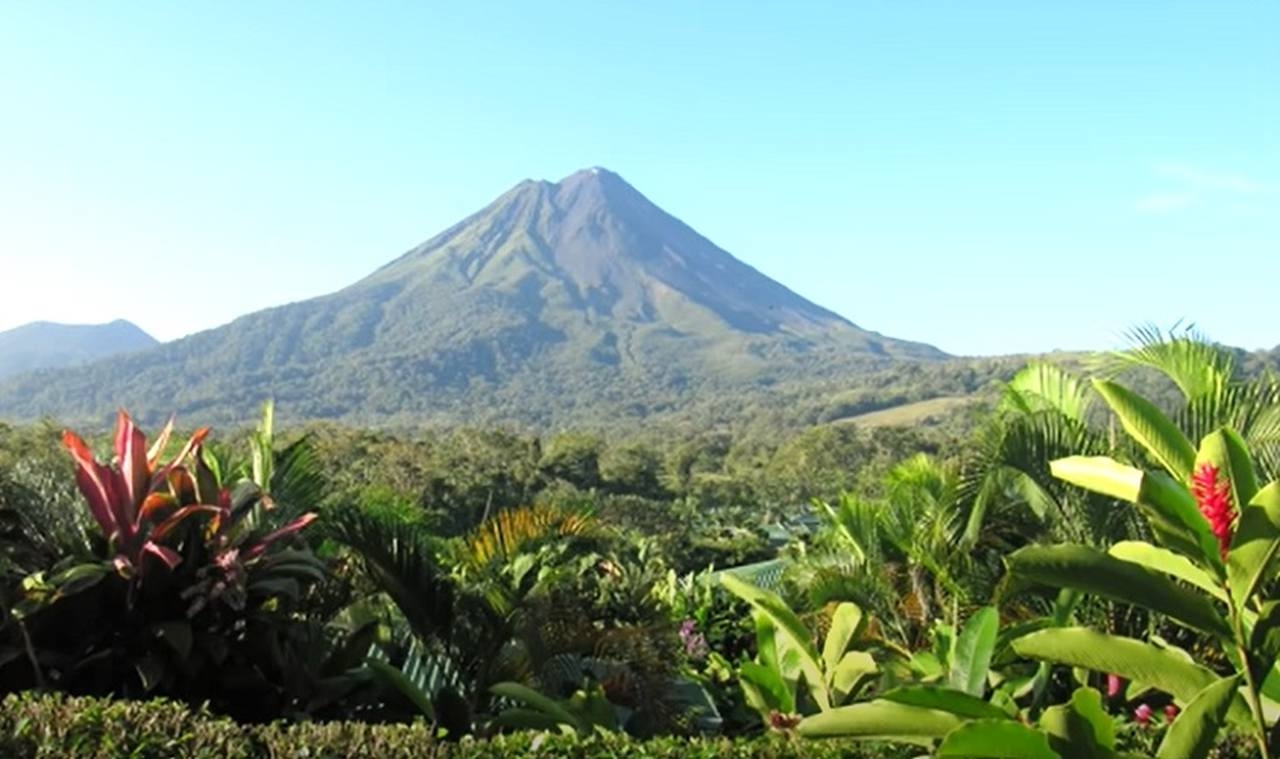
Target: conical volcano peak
point(591, 173)
point(591, 248)
point(597, 186)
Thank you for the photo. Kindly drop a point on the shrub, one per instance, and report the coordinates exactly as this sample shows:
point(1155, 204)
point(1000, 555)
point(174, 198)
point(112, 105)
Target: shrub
point(34, 726)
point(58, 726)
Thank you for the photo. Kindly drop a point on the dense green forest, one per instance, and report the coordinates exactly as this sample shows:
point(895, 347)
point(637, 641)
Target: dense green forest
point(1080, 560)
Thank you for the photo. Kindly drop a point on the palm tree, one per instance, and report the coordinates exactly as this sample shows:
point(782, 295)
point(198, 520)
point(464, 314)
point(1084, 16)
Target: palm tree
point(916, 525)
point(1045, 413)
point(1048, 413)
point(1214, 393)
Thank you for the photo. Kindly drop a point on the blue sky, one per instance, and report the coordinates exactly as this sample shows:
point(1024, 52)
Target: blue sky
point(988, 177)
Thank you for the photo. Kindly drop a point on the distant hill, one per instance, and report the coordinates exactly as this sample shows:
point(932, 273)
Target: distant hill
point(560, 303)
point(43, 345)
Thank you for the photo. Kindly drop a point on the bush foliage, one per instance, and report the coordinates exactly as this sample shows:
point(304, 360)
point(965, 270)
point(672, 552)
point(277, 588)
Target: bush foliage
point(34, 726)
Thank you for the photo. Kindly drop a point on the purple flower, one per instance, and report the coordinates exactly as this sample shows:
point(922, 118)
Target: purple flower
point(695, 644)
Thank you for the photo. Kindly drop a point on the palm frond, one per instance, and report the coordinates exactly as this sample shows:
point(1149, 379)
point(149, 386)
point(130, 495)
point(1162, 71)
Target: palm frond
point(1045, 387)
point(1197, 366)
point(505, 534)
point(854, 525)
point(297, 481)
point(401, 559)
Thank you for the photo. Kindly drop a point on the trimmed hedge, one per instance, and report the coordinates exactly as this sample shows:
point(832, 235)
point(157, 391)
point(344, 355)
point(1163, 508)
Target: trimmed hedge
point(38, 726)
point(54, 725)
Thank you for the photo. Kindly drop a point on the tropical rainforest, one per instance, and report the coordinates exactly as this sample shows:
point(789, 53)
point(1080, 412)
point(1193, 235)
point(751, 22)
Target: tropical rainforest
point(1080, 560)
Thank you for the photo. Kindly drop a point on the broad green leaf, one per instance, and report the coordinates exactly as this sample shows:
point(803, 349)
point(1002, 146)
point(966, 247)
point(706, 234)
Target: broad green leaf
point(789, 628)
point(1163, 560)
point(1126, 657)
point(177, 635)
point(1193, 733)
point(880, 720)
point(538, 702)
point(1147, 425)
point(1175, 518)
point(78, 578)
point(1080, 727)
point(996, 739)
point(925, 665)
point(1227, 451)
point(1092, 571)
point(971, 651)
point(396, 679)
point(1167, 505)
point(853, 669)
point(1264, 642)
point(520, 718)
point(844, 626)
point(1256, 544)
point(1100, 474)
point(755, 698)
point(766, 641)
point(768, 682)
point(945, 699)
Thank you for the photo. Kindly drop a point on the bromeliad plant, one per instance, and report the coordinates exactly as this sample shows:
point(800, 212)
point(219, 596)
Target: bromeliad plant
point(135, 501)
point(1209, 568)
point(192, 594)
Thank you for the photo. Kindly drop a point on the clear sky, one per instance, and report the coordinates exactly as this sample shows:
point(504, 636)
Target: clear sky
point(987, 177)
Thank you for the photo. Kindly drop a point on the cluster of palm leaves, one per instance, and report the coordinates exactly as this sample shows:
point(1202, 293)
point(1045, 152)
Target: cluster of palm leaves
point(536, 597)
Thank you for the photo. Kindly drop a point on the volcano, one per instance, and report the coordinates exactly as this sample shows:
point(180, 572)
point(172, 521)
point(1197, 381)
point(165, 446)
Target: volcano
point(557, 303)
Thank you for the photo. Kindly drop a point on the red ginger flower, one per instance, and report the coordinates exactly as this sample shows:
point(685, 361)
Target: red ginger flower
point(1213, 496)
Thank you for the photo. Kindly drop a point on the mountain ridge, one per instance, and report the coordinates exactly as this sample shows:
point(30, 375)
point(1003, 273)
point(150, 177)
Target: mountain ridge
point(48, 344)
point(555, 301)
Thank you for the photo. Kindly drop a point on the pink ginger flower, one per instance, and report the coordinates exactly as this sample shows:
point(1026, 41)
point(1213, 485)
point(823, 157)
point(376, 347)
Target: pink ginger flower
point(1114, 684)
point(1170, 712)
point(1213, 496)
point(1142, 715)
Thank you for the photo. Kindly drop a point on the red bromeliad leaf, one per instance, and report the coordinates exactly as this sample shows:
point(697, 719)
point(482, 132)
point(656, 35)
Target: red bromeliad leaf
point(197, 438)
point(96, 483)
point(257, 548)
point(187, 448)
point(157, 448)
point(182, 486)
point(207, 490)
point(170, 557)
point(156, 507)
point(123, 566)
point(160, 531)
point(135, 475)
